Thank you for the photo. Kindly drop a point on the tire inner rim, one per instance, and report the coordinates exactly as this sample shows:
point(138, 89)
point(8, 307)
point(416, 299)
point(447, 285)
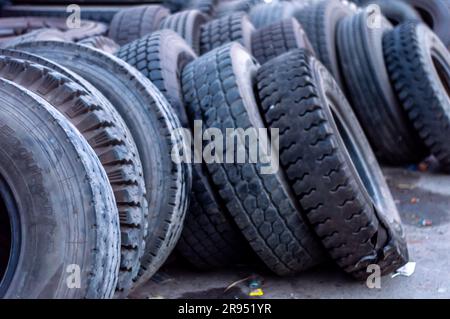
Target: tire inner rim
point(9, 236)
point(442, 69)
point(357, 157)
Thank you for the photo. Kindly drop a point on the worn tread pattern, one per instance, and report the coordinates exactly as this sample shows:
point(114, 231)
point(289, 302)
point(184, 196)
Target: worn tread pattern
point(278, 38)
point(372, 96)
point(421, 92)
point(102, 43)
point(154, 128)
point(112, 145)
point(234, 27)
point(265, 14)
point(135, 22)
point(259, 203)
point(188, 25)
point(102, 258)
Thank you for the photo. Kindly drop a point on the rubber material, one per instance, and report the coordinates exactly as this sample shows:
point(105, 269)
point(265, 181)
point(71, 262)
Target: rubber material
point(153, 126)
point(102, 43)
point(419, 67)
point(218, 89)
point(330, 166)
point(265, 14)
point(68, 218)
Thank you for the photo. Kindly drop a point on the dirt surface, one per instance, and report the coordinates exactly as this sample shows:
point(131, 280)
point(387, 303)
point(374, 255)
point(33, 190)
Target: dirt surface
point(424, 203)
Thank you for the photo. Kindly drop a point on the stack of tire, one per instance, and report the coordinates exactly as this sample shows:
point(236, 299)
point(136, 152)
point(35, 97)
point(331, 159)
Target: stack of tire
point(95, 187)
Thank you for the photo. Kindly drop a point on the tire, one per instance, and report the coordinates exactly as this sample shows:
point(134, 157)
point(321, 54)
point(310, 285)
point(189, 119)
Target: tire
point(153, 127)
point(13, 27)
point(229, 7)
point(112, 145)
point(436, 14)
point(259, 203)
point(174, 5)
point(94, 13)
point(135, 22)
point(101, 43)
point(329, 165)
point(320, 22)
point(418, 64)
point(60, 202)
point(188, 25)
point(265, 14)
point(235, 27)
point(278, 38)
point(372, 96)
point(166, 56)
point(206, 7)
point(37, 35)
point(210, 238)
point(396, 11)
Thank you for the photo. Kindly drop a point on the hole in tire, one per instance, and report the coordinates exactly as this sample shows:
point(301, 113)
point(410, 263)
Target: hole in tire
point(426, 17)
point(5, 237)
point(443, 73)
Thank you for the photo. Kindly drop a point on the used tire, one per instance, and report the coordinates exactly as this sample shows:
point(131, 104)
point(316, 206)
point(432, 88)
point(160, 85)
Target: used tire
point(235, 27)
point(188, 25)
point(320, 21)
point(153, 127)
point(396, 11)
point(102, 43)
point(37, 35)
point(135, 22)
point(228, 7)
point(218, 89)
point(278, 38)
point(13, 27)
point(59, 202)
point(205, 6)
point(385, 122)
point(419, 68)
point(330, 167)
point(265, 14)
point(112, 144)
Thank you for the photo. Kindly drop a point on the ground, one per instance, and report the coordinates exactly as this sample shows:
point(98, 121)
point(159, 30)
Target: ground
point(424, 203)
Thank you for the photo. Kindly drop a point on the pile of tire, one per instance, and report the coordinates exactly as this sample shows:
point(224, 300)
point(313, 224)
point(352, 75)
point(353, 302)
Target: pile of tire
point(100, 180)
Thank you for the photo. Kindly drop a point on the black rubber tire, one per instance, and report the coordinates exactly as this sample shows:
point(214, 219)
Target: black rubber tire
point(210, 238)
point(436, 14)
point(188, 25)
point(36, 35)
point(207, 7)
point(218, 89)
point(419, 67)
point(94, 13)
point(265, 14)
point(13, 27)
point(65, 209)
point(225, 8)
point(396, 11)
point(371, 94)
point(278, 38)
point(330, 166)
point(110, 141)
point(166, 54)
point(135, 22)
point(102, 43)
point(235, 27)
point(153, 127)
point(320, 21)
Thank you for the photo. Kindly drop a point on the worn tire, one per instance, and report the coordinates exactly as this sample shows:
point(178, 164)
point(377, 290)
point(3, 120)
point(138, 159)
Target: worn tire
point(153, 126)
point(207, 7)
point(330, 167)
point(218, 89)
point(320, 22)
point(278, 38)
point(94, 13)
point(36, 35)
point(396, 11)
point(188, 25)
point(166, 54)
point(265, 14)
point(102, 43)
point(386, 124)
point(225, 8)
point(13, 27)
point(135, 22)
point(419, 68)
point(112, 144)
point(235, 27)
point(60, 201)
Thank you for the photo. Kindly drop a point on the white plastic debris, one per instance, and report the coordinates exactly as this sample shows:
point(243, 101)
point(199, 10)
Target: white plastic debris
point(407, 270)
